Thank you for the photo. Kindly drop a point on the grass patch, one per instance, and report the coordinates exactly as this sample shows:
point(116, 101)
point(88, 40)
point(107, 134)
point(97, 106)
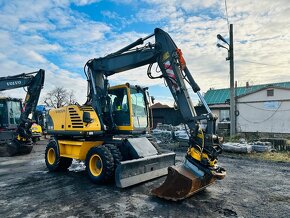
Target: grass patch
point(270, 156)
point(273, 156)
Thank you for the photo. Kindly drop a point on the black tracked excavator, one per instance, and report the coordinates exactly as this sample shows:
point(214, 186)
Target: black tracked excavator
point(15, 134)
point(104, 132)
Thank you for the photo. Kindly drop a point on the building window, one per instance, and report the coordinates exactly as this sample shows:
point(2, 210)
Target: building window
point(224, 115)
point(270, 92)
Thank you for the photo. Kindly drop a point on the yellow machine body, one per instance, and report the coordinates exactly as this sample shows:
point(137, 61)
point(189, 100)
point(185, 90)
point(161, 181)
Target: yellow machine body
point(76, 149)
point(35, 128)
point(70, 118)
point(68, 122)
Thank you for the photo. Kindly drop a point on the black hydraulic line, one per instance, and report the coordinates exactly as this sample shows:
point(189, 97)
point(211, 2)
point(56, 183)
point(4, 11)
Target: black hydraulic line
point(132, 45)
point(192, 83)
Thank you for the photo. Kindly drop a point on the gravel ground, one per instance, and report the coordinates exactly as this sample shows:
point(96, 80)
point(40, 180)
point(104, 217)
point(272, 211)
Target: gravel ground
point(252, 188)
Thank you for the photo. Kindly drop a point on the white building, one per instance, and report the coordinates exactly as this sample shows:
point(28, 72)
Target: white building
point(266, 110)
point(261, 108)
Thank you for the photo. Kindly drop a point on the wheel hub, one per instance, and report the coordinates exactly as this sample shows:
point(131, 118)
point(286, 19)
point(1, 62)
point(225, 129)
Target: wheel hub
point(96, 165)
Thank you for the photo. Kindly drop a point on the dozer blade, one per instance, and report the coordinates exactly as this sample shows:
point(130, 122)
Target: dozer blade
point(182, 182)
point(135, 171)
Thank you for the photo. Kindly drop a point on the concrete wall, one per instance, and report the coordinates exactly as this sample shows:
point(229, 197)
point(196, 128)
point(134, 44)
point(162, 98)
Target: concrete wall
point(261, 113)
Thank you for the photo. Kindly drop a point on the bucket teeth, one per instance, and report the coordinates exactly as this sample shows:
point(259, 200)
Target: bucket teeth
point(182, 183)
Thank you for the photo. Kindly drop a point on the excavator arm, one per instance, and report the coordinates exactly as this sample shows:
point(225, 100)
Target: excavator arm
point(200, 168)
point(169, 58)
point(20, 142)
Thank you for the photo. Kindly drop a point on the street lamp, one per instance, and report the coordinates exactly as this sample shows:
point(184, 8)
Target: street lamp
point(232, 88)
point(221, 46)
point(222, 38)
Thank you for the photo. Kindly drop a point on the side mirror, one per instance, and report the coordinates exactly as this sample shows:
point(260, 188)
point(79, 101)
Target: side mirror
point(86, 117)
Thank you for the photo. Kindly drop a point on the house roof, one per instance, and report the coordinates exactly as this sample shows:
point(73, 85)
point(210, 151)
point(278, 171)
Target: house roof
point(219, 96)
point(264, 88)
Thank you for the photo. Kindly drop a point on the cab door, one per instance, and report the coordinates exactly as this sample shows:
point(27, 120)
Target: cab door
point(129, 110)
point(121, 109)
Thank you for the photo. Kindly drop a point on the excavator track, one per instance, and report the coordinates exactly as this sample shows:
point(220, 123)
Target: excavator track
point(12, 148)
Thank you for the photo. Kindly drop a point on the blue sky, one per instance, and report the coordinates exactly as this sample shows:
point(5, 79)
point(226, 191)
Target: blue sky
point(60, 36)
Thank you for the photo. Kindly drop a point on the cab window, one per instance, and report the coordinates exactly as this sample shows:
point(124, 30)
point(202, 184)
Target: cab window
point(139, 109)
point(14, 112)
point(120, 108)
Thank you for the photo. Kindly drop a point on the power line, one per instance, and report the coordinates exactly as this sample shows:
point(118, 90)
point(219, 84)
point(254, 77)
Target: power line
point(254, 62)
point(227, 16)
point(262, 109)
point(268, 118)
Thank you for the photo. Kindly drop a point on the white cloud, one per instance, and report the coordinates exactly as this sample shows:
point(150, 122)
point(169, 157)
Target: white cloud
point(82, 33)
point(52, 36)
point(85, 2)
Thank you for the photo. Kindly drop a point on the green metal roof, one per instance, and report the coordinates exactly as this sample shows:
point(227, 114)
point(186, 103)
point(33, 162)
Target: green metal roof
point(219, 96)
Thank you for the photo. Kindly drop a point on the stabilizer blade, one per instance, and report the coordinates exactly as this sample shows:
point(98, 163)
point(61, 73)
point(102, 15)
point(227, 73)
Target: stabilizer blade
point(135, 171)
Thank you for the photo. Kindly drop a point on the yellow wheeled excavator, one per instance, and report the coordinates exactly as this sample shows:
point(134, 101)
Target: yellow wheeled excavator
point(106, 132)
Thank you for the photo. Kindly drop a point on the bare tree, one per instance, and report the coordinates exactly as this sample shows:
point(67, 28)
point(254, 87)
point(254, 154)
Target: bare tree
point(71, 98)
point(59, 97)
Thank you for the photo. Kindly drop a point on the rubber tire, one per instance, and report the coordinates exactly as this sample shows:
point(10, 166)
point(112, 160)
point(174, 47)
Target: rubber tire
point(116, 154)
point(107, 161)
point(60, 163)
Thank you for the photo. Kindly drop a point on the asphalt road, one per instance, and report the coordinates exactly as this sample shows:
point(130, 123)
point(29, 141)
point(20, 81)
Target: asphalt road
point(251, 189)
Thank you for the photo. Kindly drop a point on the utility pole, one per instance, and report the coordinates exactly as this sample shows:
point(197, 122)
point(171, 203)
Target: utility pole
point(232, 84)
point(230, 58)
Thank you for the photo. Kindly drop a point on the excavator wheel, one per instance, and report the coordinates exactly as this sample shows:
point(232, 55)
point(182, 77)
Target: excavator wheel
point(53, 160)
point(100, 164)
point(116, 154)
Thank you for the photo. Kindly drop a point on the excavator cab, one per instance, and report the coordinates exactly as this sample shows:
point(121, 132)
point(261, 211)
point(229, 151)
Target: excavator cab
point(10, 111)
point(129, 109)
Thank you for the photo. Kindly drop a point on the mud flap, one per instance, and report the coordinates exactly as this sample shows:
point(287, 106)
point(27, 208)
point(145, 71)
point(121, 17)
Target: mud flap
point(182, 182)
point(135, 171)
